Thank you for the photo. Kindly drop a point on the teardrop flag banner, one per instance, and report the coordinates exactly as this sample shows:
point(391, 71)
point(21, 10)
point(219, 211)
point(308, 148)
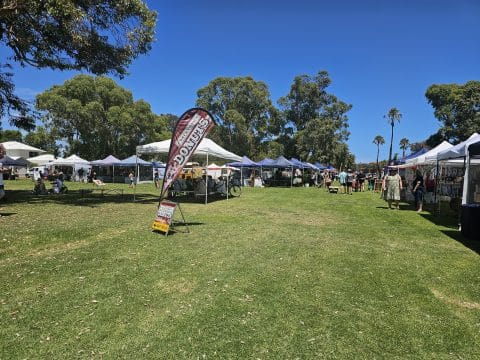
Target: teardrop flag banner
point(189, 131)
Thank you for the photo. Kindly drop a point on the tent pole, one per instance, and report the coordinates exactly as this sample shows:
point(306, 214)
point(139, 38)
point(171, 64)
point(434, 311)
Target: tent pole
point(136, 167)
point(206, 181)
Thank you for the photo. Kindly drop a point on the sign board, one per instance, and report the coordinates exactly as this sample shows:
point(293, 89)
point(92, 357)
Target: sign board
point(164, 217)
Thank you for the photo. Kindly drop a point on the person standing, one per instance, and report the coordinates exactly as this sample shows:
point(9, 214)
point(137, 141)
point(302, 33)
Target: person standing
point(342, 178)
point(392, 184)
point(3, 152)
point(131, 178)
point(418, 191)
point(156, 179)
point(349, 181)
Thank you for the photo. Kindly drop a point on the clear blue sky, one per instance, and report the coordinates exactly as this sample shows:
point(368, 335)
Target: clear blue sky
point(379, 54)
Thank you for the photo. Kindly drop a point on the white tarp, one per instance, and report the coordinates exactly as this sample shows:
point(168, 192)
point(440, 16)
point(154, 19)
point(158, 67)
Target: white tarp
point(459, 150)
point(430, 157)
point(206, 147)
point(70, 161)
point(41, 159)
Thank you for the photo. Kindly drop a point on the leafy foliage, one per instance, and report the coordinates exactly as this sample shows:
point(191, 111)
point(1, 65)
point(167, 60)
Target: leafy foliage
point(243, 111)
point(96, 117)
point(457, 107)
point(319, 118)
point(100, 36)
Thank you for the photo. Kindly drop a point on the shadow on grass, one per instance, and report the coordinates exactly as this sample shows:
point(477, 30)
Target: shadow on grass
point(473, 245)
point(92, 199)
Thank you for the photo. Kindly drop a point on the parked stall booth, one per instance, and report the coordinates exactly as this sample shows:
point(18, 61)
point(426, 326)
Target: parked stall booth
point(470, 215)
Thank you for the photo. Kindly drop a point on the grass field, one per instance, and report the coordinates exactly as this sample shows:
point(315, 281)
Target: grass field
point(277, 273)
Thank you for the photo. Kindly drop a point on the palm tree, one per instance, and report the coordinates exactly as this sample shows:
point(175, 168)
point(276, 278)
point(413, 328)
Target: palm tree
point(392, 116)
point(378, 140)
point(404, 144)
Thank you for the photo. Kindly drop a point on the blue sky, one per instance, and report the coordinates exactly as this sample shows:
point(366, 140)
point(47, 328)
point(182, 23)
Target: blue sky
point(379, 54)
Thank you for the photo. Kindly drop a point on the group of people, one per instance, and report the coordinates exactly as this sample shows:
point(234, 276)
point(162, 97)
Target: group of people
point(350, 181)
point(392, 185)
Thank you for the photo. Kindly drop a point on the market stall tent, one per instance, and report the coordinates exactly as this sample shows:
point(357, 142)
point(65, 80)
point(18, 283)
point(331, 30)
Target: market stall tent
point(74, 162)
point(41, 159)
point(206, 147)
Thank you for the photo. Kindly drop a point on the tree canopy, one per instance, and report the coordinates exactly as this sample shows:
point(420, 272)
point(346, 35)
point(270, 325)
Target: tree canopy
point(457, 107)
point(96, 117)
point(100, 36)
point(243, 111)
point(318, 120)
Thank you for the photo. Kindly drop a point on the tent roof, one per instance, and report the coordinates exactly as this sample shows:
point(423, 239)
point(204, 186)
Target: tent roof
point(9, 161)
point(430, 156)
point(414, 155)
point(15, 145)
point(71, 160)
point(206, 147)
point(246, 162)
point(132, 161)
point(265, 162)
point(41, 159)
point(109, 160)
point(458, 150)
point(281, 162)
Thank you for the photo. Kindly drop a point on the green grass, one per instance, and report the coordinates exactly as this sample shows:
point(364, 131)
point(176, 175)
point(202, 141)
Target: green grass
point(277, 273)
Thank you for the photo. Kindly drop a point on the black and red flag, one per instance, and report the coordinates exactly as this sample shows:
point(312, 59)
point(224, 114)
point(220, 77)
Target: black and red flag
point(189, 131)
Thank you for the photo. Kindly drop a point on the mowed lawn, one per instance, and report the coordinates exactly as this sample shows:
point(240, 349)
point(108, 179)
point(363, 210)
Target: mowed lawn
point(277, 273)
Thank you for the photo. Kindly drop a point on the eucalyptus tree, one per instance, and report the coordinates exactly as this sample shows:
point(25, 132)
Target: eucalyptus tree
point(404, 145)
point(99, 36)
point(244, 113)
point(318, 119)
point(96, 117)
point(378, 140)
point(393, 116)
point(457, 108)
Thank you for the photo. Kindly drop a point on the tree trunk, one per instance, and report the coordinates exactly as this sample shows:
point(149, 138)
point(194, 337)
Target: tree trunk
point(391, 142)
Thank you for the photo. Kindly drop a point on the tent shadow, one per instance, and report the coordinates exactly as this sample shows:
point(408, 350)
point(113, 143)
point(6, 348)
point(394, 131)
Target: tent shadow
point(473, 245)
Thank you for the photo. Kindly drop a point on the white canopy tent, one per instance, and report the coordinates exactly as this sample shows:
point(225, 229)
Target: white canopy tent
point(207, 148)
point(15, 148)
point(430, 157)
point(459, 150)
point(73, 161)
point(41, 159)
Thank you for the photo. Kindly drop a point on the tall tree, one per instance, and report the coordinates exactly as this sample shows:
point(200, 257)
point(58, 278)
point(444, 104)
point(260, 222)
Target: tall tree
point(10, 135)
point(99, 36)
point(43, 139)
point(96, 117)
point(378, 140)
point(393, 116)
point(457, 107)
point(243, 111)
point(404, 144)
point(417, 146)
point(318, 119)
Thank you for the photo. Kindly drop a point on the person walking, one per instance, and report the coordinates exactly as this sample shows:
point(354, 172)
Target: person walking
point(418, 191)
point(392, 184)
point(3, 152)
point(131, 178)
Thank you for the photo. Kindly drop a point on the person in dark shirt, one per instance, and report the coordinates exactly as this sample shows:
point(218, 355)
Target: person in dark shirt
point(418, 191)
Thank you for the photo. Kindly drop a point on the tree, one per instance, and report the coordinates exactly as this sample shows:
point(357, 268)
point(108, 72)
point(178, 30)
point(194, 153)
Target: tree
point(378, 140)
point(404, 144)
point(43, 139)
point(318, 119)
point(457, 107)
point(392, 116)
point(244, 113)
point(417, 146)
point(99, 36)
point(96, 117)
point(10, 135)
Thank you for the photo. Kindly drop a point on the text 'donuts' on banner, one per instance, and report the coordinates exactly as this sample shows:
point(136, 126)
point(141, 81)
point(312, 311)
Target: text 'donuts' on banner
point(189, 131)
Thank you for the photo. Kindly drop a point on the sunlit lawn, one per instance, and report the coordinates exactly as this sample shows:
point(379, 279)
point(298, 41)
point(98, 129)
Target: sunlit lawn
point(277, 273)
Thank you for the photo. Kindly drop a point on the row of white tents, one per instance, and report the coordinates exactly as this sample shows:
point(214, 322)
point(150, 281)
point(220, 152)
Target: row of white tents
point(464, 154)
